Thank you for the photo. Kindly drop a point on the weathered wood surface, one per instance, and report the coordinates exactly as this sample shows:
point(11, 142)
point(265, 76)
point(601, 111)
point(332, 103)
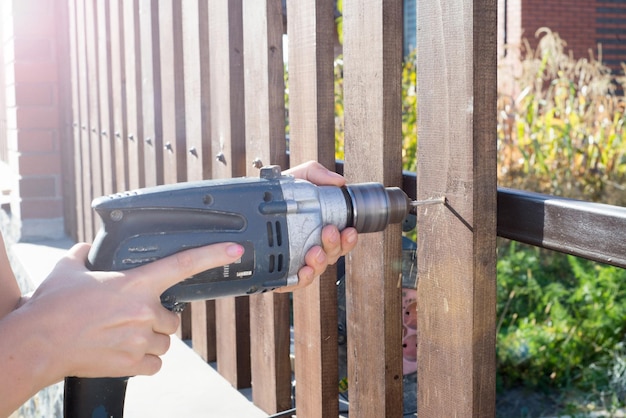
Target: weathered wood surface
point(232, 316)
point(372, 106)
point(265, 144)
point(311, 121)
point(151, 92)
point(456, 242)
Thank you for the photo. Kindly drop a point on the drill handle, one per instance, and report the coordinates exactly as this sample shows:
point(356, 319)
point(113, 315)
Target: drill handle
point(94, 397)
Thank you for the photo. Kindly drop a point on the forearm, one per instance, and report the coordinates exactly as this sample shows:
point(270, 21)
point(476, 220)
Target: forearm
point(25, 359)
point(9, 290)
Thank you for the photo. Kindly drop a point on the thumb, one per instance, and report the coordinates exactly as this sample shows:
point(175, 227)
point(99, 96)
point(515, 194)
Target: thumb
point(166, 272)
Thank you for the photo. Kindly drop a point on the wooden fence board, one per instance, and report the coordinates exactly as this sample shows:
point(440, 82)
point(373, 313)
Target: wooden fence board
point(265, 143)
point(104, 107)
point(76, 131)
point(172, 91)
point(456, 242)
point(95, 160)
point(372, 106)
point(195, 34)
point(133, 77)
point(118, 95)
point(197, 123)
point(232, 316)
point(151, 92)
point(85, 143)
point(311, 137)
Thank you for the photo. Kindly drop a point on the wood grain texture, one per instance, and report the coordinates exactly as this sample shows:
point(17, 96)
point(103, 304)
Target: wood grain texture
point(133, 77)
point(265, 142)
point(372, 106)
point(105, 104)
point(172, 91)
point(76, 122)
point(118, 97)
point(195, 34)
point(232, 315)
point(151, 92)
point(456, 242)
point(84, 121)
point(311, 119)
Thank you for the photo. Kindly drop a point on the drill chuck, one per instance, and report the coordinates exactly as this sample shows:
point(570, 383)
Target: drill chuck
point(374, 206)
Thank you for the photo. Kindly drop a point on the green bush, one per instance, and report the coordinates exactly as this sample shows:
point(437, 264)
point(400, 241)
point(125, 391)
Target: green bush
point(560, 319)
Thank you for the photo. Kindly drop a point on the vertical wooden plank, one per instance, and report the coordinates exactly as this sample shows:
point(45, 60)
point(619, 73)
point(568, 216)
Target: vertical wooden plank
point(311, 118)
point(105, 104)
point(118, 97)
point(195, 38)
point(151, 92)
point(85, 145)
point(372, 106)
point(172, 91)
point(134, 109)
point(76, 131)
point(456, 255)
point(265, 144)
point(66, 115)
point(95, 153)
point(195, 34)
point(173, 107)
point(232, 316)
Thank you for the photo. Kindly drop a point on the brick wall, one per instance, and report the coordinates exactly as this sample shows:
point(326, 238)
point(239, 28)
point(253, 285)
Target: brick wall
point(573, 20)
point(32, 110)
point(583, 24)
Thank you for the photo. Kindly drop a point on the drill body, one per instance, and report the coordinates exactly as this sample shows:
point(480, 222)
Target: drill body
point(276, 218)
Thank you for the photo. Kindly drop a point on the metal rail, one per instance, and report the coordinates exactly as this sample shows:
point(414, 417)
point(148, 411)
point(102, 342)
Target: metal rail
point(594, 231)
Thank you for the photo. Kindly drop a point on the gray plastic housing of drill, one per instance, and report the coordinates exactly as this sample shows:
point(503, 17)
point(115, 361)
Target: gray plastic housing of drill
point(276, 218)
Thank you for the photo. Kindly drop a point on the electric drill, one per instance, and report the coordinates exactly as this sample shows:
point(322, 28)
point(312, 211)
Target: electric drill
point(276, 218)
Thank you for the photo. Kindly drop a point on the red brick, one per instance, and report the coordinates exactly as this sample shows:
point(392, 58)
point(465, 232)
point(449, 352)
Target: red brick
point(34, 94)
point(38, 187)
point(37, 140)
point(41, 208)
point(37, 117)
point(39, 164)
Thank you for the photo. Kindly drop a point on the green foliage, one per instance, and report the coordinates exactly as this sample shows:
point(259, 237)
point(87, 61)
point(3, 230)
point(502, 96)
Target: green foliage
point(560, 318)
point(563, 133)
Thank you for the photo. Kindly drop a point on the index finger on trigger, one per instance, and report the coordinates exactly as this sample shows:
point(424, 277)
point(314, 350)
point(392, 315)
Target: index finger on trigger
point(166, 272)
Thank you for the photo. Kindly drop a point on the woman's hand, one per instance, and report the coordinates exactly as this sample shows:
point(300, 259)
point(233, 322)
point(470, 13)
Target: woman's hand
point(112, 323)
point(334, 243)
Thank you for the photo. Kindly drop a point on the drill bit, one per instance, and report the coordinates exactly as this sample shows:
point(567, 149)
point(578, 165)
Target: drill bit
point(433, 201)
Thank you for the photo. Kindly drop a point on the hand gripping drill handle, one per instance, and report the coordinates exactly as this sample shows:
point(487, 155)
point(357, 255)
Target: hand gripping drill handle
point(276, 218)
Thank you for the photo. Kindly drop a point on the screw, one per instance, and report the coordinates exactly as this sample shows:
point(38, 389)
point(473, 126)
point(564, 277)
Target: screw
point(148, 141)
point(168, 146)
point(131, 137)
point(221, 158)
point(193, 151)
point(257, 163)
point(116, 215)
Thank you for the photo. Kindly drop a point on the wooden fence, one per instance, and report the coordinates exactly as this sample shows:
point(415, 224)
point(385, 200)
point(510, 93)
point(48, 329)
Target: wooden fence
point(165, 91)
